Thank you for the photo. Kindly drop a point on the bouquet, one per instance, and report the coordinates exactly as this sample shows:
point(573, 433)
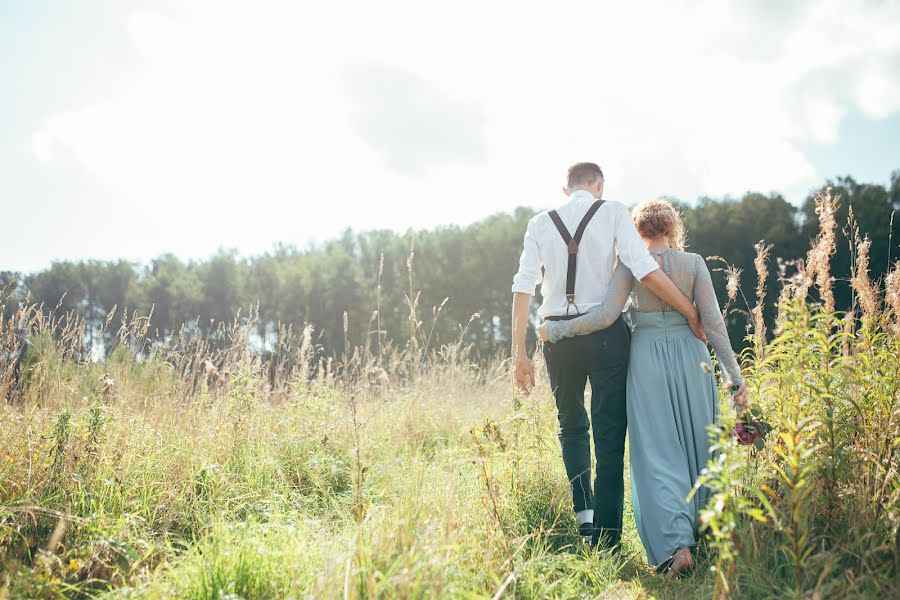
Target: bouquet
point(751, 428)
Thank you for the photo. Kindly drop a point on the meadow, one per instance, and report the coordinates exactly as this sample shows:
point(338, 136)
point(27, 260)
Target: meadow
point(200, 468)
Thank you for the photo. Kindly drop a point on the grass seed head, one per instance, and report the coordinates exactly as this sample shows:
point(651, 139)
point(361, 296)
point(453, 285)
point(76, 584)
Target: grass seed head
point(862, 285)
point(824, 247)
point(892, 291)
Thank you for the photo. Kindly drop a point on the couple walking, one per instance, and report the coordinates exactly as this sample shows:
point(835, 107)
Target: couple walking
point(654, 374)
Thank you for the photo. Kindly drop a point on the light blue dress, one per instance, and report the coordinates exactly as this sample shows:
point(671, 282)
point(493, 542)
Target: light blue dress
point(672, 396)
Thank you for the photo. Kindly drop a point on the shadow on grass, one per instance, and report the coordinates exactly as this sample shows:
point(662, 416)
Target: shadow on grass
point(562, 554)
point(698, 584)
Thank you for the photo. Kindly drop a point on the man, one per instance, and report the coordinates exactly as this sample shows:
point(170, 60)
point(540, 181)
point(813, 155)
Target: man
point(578, 246)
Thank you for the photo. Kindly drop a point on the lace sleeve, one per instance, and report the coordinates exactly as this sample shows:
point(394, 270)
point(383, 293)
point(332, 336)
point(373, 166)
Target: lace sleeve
point(601, 316)
point(713, 323)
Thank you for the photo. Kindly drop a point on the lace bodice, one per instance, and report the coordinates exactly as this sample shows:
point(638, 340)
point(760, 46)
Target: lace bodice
point(689, 272)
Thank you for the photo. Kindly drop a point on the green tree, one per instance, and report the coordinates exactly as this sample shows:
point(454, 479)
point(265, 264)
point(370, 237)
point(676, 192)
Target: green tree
point(170, 292)
point(730, 229)
point(470, 266)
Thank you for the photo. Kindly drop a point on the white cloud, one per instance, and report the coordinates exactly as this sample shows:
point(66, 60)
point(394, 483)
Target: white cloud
point(878, 96)
point(42, 145)
point(240, 122)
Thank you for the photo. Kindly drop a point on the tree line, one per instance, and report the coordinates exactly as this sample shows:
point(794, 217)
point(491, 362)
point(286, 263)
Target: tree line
point(443, 275)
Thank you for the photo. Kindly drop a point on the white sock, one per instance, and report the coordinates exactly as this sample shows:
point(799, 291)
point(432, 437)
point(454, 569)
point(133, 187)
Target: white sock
point(585, 516)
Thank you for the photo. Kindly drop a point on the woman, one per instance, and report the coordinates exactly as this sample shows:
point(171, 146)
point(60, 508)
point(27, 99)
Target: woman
point(672, 392)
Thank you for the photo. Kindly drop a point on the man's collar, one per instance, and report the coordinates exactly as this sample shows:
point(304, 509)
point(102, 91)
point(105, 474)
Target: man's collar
point(581, 195)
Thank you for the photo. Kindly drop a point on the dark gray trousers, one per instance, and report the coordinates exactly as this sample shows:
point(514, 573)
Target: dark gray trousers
point(602, 358)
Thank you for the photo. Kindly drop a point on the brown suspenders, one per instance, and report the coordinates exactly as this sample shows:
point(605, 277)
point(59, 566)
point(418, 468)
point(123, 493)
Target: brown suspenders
point(572, 243)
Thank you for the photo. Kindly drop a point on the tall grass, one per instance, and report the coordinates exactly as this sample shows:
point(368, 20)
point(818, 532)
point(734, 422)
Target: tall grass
point(198, 468)
point(815, 513)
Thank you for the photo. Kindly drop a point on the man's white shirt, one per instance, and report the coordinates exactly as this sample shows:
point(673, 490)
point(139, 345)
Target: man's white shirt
point(610, 236)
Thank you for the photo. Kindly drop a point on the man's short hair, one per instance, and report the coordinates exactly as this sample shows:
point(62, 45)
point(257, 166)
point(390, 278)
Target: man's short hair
point(583, 174)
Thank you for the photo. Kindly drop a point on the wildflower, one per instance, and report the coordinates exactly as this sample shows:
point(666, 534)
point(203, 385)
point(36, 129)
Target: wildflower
point(751, 429)
point(743, 435)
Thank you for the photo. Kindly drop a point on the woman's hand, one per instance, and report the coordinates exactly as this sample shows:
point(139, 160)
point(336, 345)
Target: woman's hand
point(542, 332)
point(741, 398)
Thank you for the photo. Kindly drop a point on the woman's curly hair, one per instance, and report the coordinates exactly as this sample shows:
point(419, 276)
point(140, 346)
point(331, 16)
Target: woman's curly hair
point(659, 218)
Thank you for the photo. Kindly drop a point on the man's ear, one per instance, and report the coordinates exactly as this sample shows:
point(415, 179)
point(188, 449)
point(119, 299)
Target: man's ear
point(567, 191)
point(600, 189)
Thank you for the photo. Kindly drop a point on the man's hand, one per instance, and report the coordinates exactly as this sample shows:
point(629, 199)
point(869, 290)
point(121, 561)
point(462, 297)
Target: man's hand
point(697, 327)
point(523, 373)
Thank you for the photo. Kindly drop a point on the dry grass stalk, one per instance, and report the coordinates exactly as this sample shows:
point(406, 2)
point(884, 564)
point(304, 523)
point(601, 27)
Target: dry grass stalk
point(732, 286)
point(412, 301)
point(865, 290)
point(762, 274)
point(892, 291)
point(848, 321)
point(803, 280)
point(789, 286)
point(819, 258)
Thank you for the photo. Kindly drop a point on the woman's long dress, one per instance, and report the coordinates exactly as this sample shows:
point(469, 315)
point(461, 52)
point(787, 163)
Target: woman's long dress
point(672, 396)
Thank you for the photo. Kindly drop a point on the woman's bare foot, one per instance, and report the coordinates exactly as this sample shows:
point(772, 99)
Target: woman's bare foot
point(683, 563)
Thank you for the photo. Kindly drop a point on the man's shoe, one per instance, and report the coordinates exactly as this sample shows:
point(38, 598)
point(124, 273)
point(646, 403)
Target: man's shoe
point(586, 531)
point(608, 539)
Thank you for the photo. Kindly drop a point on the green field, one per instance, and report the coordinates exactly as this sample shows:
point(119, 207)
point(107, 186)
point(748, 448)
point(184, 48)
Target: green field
point(199, 469)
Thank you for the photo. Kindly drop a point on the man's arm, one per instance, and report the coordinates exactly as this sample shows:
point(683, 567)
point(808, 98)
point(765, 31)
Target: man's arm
point(632, 251)
point(666, 290)
point(523, 371)
point(528, 276)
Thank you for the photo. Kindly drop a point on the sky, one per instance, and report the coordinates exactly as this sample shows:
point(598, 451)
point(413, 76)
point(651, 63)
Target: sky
point(130, 129)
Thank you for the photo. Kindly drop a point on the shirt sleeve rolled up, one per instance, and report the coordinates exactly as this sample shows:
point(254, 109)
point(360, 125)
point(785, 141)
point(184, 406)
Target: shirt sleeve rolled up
point(529, 274)
point(630, 247)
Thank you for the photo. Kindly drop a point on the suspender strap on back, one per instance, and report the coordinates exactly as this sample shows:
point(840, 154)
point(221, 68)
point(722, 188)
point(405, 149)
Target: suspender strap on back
point(572, 243)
